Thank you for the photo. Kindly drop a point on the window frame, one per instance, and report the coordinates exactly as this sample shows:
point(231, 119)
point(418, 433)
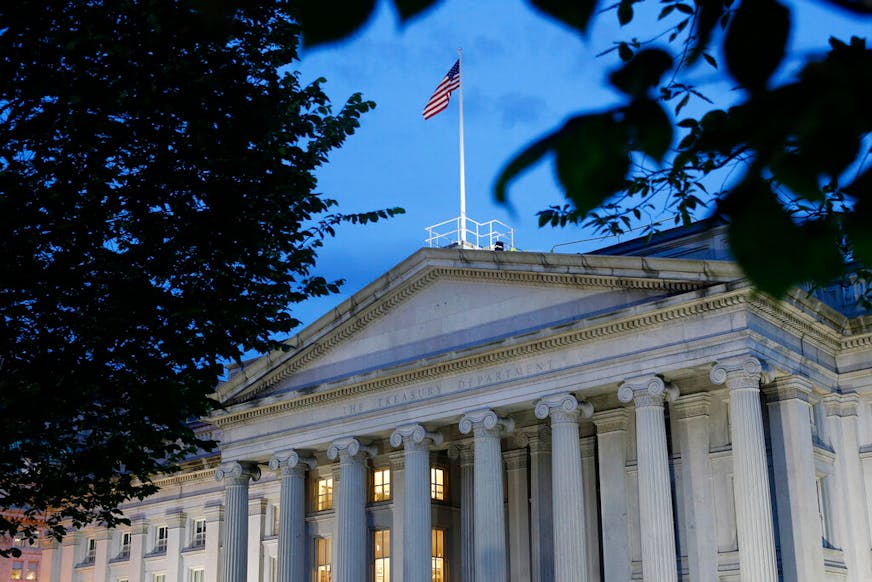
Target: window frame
point(198, 537)
point(435, 556)
point(320, 543)
point(438, 467)
point(317, 496)
point(380, 493)
point(378, 540)
point(161, 541)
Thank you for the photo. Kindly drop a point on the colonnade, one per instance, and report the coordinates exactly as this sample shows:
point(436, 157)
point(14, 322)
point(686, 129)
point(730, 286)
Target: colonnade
point(487, 528)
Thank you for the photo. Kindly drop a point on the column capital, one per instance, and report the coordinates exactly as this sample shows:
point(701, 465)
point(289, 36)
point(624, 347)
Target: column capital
point(348, 447)
point(104, 533)
point(740, 373)
point(175, 518)
point(841, 405)
point(414, 436)
point(611, 420)
point(213, 513)
point(691, 406)
point(515, 458)
point(562, 408)
point(237, 472)
point(290, 460)
point(647, 391)
point(787, 388)
point(485, 422)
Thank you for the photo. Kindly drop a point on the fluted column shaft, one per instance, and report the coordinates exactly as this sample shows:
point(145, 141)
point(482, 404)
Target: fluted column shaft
point(611, 438)
point(417, 550)
point(570, 548)
point(291, 552)
point(793, 467)
point(236, 477)
point(490, 526)
point(467, 515)
point(350, 560)
point(655, 492)
point(754, 524)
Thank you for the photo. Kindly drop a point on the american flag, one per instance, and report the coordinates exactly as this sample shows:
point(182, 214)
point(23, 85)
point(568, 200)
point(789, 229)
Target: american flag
point(439, 100)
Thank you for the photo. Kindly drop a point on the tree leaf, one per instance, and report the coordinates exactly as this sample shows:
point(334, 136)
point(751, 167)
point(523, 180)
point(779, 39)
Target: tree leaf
point(529, 156)
point(649, 128)
point(625, 12)
point(625, 52)
point(322, 22)
point(410, 8)
point(642, 72)
point(756, 41)
point(574, 14)
point(710, 60)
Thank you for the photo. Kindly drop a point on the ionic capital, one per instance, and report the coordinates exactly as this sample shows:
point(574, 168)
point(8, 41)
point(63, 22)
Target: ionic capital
point(348, 448)
point(414, 436)
point(647, 391)
point(841, 405)
point(237, 472)
point(611, 420)
point(742, 373)
point(788, 388)
point(691, 406)
point(562, 408)
point(291, 461)
point(485, 423)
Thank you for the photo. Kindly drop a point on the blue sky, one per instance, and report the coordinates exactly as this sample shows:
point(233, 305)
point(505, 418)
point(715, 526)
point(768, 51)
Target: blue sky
point(523, 75)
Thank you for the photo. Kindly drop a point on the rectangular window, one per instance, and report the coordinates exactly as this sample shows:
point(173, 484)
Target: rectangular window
point(438, 550)
point(91, 550)
point(437, 483)
point(32, 571)
point(381, 484)
point(823, 511)
point(124, 547)
point(322, 559)
point(198, 533)
point(122, 580)
point(324, 494)
point(161, 534)
point(277, 514)
point(382, 555)
point(197, 575)
point(17, 570)
point(159, 578)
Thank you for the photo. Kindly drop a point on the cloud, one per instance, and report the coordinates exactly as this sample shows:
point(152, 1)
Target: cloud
point(517, 108)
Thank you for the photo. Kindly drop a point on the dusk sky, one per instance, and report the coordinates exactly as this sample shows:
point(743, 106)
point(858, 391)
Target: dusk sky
point(523, 75)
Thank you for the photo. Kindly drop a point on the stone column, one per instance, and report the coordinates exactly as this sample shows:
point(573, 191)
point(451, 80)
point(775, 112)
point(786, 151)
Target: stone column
point(467, 514)
point(754, 527)
point(291, 550)
point(611, 438)
point(101, 558)
point(417, 550)
point(350, 563)
point(398, 499)
point(690, 420)
point(542, 523)
point(841, 410)
point(49, 560)
point(655, 492)
point(175, 521)
point(519, 514)
point(236, 477)
point(214, 533)
point(490, 527)
point(570, 547)
point(799, 527)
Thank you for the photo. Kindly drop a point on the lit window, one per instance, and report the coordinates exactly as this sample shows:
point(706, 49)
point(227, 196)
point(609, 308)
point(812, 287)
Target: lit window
point(198, 533)
point(198, 575)
point(438, 559)
point(382, 555)
point(324, 494)
point(381, 484)
point(17, 570)
point(322, 559)
point(161, 534)
point(124, 548)
point(32, 571)
point(91, 550)
point(437, 483)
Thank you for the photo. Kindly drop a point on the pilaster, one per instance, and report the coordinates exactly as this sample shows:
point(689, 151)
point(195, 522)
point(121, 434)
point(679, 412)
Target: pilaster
point(538, 440)
point(236, 477)
point(49, 561)
point(350, 562)
point(214, 515)
point(68, 557)
point(101, 559)
point(570, 547)
point(398, 498)
point(467, 513)
point(655, 491)
point(256, 520)
point(793, 466)
point(754, 523)
point(611, 437)
point(490, 528)
point(519, 519)
point(175, 520)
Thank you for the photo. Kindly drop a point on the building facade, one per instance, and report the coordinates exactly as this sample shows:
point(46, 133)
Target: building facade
point(636, 414)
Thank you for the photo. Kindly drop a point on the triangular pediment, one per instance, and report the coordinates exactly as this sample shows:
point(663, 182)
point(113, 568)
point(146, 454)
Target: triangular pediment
point(444, 301)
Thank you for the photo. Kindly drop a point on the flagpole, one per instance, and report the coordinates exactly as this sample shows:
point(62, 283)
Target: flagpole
point(462, 238)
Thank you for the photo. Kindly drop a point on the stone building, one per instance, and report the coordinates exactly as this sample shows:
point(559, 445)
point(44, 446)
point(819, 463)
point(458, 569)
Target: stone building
point(633, 414)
